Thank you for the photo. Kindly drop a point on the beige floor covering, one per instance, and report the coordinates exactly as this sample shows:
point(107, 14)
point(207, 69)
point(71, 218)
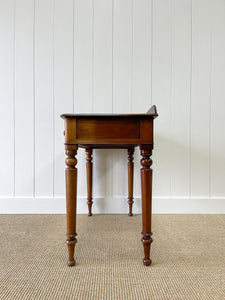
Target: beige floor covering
point(188, 255)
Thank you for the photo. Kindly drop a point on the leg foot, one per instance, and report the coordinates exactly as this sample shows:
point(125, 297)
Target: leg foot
point(147, 240)
point(147, 262)
point(71, 242)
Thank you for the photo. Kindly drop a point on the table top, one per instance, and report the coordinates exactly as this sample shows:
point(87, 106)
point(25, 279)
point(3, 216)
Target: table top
point(151, 113)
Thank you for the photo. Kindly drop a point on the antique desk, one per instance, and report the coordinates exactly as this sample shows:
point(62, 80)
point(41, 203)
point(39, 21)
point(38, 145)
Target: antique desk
point(111, 131)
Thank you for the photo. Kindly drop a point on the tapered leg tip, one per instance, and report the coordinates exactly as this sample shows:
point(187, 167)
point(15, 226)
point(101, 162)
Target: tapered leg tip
point(147, 261)
point(130, 214)
point(89, 214)
point(71, 263)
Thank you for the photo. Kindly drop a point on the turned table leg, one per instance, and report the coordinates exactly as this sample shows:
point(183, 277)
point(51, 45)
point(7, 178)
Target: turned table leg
point(146, 190)
point(71, 199)
point(89, 165)
point(130, 179)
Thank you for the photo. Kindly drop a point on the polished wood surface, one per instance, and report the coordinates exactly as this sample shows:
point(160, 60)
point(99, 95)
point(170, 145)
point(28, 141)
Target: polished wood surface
point(111, 131)
point(89, 179)
point(152, 111)
point(130, 179)
point(71, 196)
point(146, 192)
point(107, 128)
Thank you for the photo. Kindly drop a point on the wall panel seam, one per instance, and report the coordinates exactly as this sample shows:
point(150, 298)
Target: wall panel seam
point(151, 57)
point(34, 129)
point(73, 54)
point(112, 50)
point(132, 56)
point(14, 100)
point(191, 83)
point(93, 55)
point(53, 94)
point(171, 87)
point(210, 116)
point(112, 89)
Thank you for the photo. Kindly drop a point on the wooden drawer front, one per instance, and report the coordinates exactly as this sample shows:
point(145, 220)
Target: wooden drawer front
point(106, 129)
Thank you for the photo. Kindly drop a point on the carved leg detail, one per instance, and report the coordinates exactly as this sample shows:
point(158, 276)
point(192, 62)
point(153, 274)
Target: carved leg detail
point(71, 200)
point(146, 189)
point(71, 241)
point(89, 165)
point(130, 179)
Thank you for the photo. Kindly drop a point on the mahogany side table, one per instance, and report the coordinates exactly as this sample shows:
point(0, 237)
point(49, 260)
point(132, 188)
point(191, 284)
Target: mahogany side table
point(109, 131)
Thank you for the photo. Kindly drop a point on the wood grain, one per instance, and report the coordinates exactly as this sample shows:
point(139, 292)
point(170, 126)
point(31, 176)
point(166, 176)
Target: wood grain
point(107, 129)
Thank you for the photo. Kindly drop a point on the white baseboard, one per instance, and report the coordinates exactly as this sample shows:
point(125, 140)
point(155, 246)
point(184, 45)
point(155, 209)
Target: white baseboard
point(114, 205)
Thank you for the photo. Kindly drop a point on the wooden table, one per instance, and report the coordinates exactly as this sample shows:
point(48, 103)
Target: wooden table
point(109, 131)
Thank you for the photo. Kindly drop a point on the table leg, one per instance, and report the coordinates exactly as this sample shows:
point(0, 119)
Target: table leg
point(71, 200)
point(130, 179)
point(146, 190)
point(89, 179)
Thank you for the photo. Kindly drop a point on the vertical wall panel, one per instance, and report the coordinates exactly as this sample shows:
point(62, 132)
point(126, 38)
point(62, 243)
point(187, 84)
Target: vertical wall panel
point(44, 98)
point(218, 100)
point(83, 73)
point(200, 102)
point(63, 84)
point(180, 100)
point(122, 56)
point(122, 82)
point(161, 95)
point(24, 98)
point(102, 56)
point(83, 56)
point(7, 97)
point(142, 37)
point(142, 46)
point(102, 91)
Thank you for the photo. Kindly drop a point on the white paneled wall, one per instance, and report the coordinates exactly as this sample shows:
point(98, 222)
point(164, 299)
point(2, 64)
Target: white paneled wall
point(115, 56)
point(44, 101)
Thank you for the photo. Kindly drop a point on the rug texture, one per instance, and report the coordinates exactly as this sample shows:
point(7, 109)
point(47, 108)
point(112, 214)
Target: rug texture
point(188, 258)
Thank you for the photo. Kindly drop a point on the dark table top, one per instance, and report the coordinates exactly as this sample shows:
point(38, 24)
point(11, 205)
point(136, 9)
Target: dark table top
point(151, 113)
